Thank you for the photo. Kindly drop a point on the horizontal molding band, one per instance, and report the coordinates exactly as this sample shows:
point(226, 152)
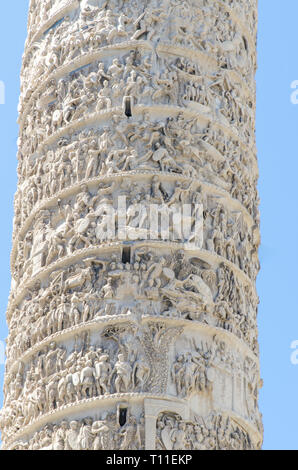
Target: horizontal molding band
point(73, 4)
point(74, 189)
point(92, 404)
point(164, 111)
point(103, 322)
point(59, 14)
point(111, 50)
point(205, 255)
point(106, 247)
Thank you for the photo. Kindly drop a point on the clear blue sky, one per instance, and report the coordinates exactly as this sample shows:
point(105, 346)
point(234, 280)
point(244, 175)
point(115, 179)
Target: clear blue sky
point(277, 135)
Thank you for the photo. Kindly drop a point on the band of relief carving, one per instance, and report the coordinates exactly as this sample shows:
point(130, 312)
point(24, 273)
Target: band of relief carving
point(133, 309)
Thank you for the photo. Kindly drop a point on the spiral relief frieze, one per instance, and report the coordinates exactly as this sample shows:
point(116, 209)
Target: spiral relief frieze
point(133, 308)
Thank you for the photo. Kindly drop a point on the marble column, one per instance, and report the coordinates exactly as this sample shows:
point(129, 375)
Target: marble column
point(133, 307)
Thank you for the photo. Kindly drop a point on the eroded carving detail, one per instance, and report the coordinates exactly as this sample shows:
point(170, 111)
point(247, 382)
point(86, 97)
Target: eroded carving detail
point(135, 108)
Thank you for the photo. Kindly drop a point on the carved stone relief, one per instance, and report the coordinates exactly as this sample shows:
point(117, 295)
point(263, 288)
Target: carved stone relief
point(126, 333)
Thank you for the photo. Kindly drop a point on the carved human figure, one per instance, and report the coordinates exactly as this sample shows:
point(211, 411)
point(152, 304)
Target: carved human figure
point(123, 372)
point(103, 371)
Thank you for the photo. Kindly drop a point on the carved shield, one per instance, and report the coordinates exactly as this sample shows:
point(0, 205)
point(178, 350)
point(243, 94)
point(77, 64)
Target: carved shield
point(82, 225)
point(169, 274)
point(76, 379)
point(157, 156)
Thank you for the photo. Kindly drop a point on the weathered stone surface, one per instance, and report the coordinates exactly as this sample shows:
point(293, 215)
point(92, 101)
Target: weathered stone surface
point(133, 309)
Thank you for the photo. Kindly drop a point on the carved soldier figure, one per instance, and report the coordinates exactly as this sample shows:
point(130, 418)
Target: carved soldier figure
point(73, 437)
point(103, 371)
point(123, 371)
point(88, 380)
